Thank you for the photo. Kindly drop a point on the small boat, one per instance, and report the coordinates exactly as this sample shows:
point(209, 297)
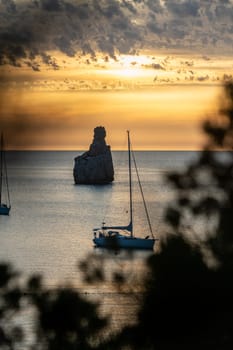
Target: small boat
point(4, 187)
point(117, 237)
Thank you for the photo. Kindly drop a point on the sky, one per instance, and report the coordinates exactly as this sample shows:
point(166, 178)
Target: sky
point(154, 67)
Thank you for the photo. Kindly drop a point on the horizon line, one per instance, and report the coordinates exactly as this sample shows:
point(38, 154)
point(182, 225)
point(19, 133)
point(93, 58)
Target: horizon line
point(114, 150)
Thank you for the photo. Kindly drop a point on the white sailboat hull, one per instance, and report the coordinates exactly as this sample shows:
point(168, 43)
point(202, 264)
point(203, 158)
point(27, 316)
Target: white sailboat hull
point(124, 242)
point(117, 237)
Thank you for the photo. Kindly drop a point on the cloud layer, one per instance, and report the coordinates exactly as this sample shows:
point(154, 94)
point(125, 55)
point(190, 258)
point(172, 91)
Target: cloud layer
point(31, 30)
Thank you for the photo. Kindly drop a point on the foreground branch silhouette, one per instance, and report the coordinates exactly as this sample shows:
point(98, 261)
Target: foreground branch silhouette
point(63, 318)
point(188, 298)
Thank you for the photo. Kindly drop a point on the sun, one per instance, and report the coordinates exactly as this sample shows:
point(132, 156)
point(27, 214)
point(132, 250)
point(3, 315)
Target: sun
point(129, 72)
point(134, 60)
point(130, 66)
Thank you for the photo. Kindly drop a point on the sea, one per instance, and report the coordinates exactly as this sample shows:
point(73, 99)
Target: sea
point(50, 227)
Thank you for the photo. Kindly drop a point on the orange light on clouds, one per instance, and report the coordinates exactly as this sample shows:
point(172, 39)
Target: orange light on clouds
point(165, 118)
point(163, 108)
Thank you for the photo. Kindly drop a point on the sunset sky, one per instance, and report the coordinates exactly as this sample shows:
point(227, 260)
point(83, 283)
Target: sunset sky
point(155, 67)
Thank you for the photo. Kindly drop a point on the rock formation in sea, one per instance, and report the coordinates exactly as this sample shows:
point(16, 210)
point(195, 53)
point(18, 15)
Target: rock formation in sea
point(95, 166)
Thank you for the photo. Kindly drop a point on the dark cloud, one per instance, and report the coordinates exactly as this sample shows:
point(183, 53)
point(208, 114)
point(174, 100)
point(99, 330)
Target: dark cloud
point(9, 6)
point(29, 30)
point(51, 5)
point(65, 45)
point(67, 26)
point(34, 66)
point(156, 66)
point(87, 49)
point(183, 8)
point(112, 9)
point(224, 11)
point(203, 78)
point(130, 6)
point(106, 45)
point(176, 31)
point(154, 27)
point(13, 44)
point(154, 5)
point(83, 11)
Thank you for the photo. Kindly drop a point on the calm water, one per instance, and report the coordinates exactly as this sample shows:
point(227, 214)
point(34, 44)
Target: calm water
point(50, 225)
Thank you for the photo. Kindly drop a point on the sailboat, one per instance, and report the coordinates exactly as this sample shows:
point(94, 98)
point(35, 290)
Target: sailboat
point(4, 207)
point(123, 236)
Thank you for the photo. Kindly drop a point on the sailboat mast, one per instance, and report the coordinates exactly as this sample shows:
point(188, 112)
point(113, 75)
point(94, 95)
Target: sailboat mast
point(130, 187)
point(1, 166)
point(6, 174)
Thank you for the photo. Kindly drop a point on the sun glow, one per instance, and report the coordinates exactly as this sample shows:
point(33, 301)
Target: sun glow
point(129, 66)
point(133, 60)
point(129, 72)
point(162, 99)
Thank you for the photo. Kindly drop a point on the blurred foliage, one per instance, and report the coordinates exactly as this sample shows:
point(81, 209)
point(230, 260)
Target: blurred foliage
point(64, 319)
point(11, 334)
point(188, 299)
point(205, 189)
point(189, 291)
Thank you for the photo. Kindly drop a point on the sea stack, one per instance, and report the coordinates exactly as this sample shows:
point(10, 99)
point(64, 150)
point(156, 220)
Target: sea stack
point(95, 166)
